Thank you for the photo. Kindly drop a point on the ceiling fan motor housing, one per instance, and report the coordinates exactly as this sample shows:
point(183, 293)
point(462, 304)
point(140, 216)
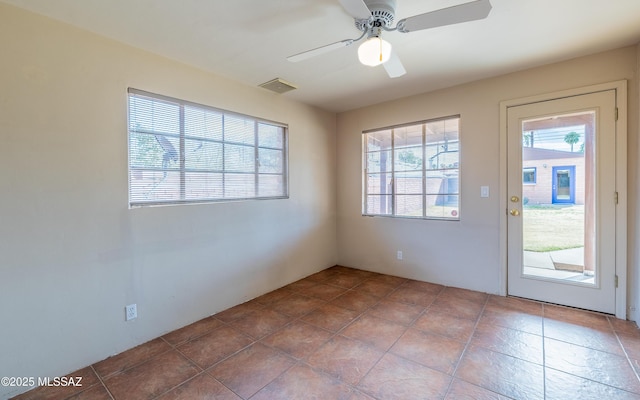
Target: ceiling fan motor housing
point(382, 11)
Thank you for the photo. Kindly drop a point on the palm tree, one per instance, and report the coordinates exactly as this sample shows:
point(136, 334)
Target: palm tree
point(572, 138)
point(527, 139)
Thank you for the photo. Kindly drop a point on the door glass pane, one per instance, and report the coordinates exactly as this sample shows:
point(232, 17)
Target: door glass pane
point(558, 197)
point(563, 189)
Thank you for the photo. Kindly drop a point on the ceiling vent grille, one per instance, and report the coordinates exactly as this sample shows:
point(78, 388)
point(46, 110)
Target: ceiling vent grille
point(278, 85)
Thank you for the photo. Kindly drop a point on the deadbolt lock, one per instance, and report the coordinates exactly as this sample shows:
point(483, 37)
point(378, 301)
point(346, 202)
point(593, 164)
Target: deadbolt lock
point(515, 199)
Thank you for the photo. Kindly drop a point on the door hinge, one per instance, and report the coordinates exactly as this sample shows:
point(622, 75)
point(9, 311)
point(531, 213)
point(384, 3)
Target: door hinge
point(615, 197)
point(616, 113)
point(616, 281)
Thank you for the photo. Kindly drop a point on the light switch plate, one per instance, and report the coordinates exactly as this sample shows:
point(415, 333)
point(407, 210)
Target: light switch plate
point(484, 191)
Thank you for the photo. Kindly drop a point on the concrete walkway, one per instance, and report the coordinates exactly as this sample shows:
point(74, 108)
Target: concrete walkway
point(546, 260)
point(544, 265)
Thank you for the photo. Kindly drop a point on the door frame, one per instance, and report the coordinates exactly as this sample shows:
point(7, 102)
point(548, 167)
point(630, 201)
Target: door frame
point(620, 88)
point(572, 184)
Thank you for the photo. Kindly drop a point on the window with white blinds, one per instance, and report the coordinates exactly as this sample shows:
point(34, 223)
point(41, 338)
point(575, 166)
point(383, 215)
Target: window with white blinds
point(413, 170)
point(181, 152)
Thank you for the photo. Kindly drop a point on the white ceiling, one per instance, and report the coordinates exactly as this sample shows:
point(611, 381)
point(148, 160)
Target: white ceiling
point(249, 40)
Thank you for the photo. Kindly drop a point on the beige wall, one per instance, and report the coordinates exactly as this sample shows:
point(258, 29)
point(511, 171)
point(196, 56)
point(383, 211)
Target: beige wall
point(72, 254)
point(465, 253)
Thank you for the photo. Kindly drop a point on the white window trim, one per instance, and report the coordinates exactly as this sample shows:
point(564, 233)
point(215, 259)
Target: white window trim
point(182, 168)
point(424, 170)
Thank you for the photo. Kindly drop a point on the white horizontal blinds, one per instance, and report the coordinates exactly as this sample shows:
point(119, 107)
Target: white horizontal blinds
point(271, 159)
point(412, 170)
point(154, 150)
point(183, 152)
point(239, 157)
point(203, 152)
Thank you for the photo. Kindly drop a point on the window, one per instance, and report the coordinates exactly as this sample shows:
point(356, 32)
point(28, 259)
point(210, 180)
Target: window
point(529, 175)
point(181, 152)
point(413, 170)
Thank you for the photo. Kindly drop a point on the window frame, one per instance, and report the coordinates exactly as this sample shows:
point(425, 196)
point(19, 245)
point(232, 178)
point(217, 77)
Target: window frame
point(424, 171)
point(183, 136)
point(535, 175)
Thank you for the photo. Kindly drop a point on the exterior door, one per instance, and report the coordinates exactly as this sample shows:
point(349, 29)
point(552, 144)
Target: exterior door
point(561, 229)
point(564, 188)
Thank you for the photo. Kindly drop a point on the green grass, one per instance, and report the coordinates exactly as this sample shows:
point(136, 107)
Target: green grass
point(550, 227)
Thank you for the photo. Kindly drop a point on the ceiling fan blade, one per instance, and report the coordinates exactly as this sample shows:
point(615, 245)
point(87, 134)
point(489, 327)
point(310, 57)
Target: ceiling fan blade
point(356, 8)
point(319, 50)
point(394, 66)
point(472, 11)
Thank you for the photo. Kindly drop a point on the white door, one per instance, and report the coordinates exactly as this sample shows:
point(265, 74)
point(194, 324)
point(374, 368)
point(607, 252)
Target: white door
point(561, 174)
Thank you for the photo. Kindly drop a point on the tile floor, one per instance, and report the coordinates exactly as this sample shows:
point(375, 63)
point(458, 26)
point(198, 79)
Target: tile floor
point(350, 334)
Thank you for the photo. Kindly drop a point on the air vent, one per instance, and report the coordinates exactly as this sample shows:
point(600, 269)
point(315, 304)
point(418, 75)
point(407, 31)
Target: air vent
point(278, 85)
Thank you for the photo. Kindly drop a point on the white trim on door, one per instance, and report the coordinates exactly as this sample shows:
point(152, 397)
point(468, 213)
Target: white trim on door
point(621, 181)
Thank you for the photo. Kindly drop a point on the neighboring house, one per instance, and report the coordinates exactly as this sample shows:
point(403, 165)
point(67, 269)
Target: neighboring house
point(552, 176)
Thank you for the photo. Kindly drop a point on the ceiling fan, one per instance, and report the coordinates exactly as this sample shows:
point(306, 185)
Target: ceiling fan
point(374, 16)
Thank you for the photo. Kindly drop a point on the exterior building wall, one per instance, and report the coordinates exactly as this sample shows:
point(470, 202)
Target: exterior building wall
point(541, 191)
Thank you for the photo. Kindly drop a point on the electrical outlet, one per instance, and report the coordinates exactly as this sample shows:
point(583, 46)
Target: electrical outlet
point(399, 255)
point(131, 312)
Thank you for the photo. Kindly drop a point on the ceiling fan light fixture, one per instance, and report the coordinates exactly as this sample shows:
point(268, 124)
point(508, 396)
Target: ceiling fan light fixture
point(374, 51)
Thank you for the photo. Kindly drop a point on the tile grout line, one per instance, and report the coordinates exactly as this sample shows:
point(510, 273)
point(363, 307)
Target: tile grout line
point(354, 387)
point(259, 340)
point(296, 361)
point(302, 361)
point(193, 363)
point(545, 367)
point(266, 384)
point(466, 346)
point(339, 333)
point(384, 353)
point(206, 370)
point(118, 372)
point(407, 327)
point(102, 382)
point(179, 384)
point(624, 350)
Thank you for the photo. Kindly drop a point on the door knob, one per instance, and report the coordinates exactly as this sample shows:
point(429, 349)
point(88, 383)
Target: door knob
point(514, 212)
point(515, 199)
